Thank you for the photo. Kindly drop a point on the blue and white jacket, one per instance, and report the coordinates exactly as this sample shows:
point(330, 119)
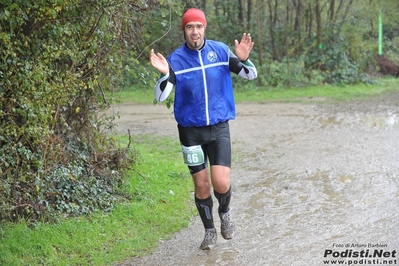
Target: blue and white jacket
point(204, 90)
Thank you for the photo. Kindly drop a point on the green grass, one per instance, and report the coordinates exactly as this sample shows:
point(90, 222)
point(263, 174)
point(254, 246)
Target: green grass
point(160, 204)
point(160, 194)
point(324, 93)
point(137, 95)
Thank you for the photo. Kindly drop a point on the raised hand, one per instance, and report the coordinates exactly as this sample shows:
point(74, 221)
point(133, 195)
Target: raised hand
point(159, 62)
point(244, 47)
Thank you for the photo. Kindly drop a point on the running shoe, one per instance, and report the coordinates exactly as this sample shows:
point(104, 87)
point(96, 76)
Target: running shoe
point(227, 226)
point(209, 239)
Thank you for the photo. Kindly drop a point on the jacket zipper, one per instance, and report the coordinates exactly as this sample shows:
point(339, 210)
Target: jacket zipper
point(205, 88)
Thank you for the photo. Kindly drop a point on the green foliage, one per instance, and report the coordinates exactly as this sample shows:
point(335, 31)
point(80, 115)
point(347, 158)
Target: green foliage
point(349, 38)
point(392, 47)
point(57, 60)
point(333, 61)
point(159, 205)
point(159, 31)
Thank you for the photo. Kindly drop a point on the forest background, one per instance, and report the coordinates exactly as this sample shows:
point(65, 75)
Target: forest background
point(61, 62)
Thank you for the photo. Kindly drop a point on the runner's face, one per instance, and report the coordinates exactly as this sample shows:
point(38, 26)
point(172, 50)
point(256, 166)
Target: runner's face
point(194, 33)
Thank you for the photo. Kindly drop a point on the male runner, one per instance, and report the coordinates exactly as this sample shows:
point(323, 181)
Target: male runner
point(204, 103)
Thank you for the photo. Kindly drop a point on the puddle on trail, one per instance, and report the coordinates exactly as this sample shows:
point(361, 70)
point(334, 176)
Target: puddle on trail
point(389, 121)
point(291, 219)
point(305, 180)
point(335, 180)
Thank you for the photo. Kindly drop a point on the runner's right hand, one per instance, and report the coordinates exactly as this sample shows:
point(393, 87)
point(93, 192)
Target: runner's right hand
point(159, 62)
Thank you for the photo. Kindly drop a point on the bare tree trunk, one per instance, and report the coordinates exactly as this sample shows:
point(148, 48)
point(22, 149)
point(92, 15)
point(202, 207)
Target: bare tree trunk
point(287, 17)
point(272, 22)
point(216, 4)
point(332, 10)
point(319, 31)
point(339, 8)
point(286, 37)
point(346, 11)
point(249, 11)
point(298, 14)
point(240, 13)
point(287, 26)
point(371, 3)
point(297, 24)
point(275, 12)
point(259, 13)
point(338, 11)
point(310, 21)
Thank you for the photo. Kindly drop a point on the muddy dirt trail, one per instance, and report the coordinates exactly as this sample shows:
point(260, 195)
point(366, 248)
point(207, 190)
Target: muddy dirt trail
point(312, 183)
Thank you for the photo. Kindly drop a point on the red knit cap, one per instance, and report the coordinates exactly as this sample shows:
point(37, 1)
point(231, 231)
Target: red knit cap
point(193, 15)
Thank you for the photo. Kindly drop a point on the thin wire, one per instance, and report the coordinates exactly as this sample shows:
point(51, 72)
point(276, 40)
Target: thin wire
point(170, 26)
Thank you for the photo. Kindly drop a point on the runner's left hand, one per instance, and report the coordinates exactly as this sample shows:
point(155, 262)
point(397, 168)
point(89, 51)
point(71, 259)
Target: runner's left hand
point(244, 47)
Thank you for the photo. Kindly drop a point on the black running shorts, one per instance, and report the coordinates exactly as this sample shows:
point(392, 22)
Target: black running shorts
point(214, 141)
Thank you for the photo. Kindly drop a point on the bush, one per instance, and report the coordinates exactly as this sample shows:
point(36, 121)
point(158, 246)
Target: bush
point(335, 64)
point(57, 61)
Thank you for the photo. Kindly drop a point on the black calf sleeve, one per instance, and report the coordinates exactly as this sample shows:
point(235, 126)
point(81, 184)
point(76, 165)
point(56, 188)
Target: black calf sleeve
point(224, 200)
point(204, 207)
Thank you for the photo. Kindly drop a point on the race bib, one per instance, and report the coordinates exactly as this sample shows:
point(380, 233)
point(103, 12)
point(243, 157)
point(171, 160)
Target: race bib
point(193, 155)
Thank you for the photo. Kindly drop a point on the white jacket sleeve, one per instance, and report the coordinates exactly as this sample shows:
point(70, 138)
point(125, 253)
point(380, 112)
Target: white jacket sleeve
point(163, 88)
point(248, 71)
point(245, 69)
